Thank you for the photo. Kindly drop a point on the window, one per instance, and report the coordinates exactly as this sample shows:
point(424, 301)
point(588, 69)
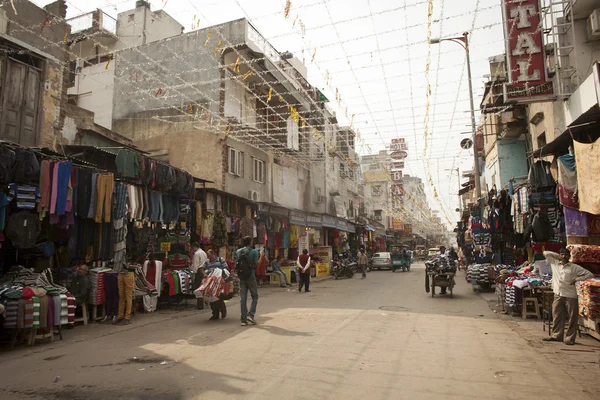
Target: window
point(342, 170)
point(374, 166)
point(236, 162)
point(541, 140)
point(258, 170)
point(376, 191)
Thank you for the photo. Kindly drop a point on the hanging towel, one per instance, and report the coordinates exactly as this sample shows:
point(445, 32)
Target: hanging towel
point(588, 170)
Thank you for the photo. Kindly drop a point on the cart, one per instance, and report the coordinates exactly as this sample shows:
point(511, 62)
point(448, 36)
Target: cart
point(442, 280)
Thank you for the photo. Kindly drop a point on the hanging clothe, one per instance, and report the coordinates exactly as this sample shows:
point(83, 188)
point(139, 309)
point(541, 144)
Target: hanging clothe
point(588, 171)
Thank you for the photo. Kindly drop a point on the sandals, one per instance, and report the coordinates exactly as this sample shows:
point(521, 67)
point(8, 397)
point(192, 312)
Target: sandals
point(551, 339)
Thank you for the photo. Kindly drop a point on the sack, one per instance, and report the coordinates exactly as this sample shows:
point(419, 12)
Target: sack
point(243, 269)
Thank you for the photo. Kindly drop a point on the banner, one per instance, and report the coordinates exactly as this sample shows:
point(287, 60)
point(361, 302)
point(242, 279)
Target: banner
point(322, 269)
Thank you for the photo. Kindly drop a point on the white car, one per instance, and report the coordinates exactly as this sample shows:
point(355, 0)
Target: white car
point(381, 260)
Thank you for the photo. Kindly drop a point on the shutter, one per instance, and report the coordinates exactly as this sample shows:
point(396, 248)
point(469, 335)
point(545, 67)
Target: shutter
point(241, 164)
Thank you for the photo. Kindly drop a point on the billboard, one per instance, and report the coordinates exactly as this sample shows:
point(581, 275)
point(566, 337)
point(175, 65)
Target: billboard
point(525, 52)
point(397, 165)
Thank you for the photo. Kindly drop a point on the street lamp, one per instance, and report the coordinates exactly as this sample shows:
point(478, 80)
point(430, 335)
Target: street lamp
point(464, 42)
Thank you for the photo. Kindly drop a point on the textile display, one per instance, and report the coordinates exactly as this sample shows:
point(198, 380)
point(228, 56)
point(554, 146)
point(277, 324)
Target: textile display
point(567, 181)
point(588, 170)
point(482, 273)
point(588, 293)
point(576, 222)
point(584, 253)
point(153, 272)
point(213, 285)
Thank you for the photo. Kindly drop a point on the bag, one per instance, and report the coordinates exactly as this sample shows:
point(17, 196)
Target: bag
point(243, 269)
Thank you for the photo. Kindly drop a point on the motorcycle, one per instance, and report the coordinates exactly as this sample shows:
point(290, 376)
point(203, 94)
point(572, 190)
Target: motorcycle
point(343, 268)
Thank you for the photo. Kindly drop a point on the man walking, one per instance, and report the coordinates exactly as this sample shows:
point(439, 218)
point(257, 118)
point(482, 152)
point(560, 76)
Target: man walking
point(303, 264)
point(247, 259)
point(199, 257)
point(565, 307)
point(363, 261)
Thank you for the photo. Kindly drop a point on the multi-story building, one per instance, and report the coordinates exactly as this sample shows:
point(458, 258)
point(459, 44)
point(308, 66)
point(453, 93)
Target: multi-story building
point(32, 73)
point(377, 188)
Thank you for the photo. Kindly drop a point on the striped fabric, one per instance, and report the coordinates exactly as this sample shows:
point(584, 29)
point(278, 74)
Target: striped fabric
point(64, 310)
point(36, 312)
point(20, 313)
point(12, 310)
point(71, 308)
point(28, 318)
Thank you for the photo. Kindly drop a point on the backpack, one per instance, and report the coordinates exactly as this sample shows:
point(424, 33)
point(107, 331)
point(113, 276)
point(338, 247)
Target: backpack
point(243, 269)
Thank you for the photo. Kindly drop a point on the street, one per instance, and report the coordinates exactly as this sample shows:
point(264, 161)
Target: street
point(379, 338)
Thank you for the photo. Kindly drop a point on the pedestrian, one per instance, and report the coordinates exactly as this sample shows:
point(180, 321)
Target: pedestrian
point(363, 261)
point(212, 263)
point(276, 267)
point(303, 265)
point(199, 257)
point(80, 285)
point(565, 307)
point(247, 260)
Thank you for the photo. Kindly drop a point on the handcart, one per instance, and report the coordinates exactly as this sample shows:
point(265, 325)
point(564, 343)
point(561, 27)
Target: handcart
point(442, 280)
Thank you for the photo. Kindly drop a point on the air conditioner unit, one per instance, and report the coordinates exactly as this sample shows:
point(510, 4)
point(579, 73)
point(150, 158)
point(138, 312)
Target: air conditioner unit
point(253, 195)
point(319, 199)
point(593, 25)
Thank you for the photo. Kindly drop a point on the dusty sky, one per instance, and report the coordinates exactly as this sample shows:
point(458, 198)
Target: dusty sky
point(375, 52)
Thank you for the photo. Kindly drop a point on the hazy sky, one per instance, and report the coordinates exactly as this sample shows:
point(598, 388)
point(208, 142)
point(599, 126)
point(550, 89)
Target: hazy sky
point(375, 52)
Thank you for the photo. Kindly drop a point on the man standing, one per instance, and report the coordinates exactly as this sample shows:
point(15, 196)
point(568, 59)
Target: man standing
point(303, 264)
point(363, 261)
point(247, 259)
point(564, 276)
point(199, 257)
point(443, 254)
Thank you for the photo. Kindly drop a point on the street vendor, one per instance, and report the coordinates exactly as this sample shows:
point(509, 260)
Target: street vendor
point(217, 306)
point(565, 307)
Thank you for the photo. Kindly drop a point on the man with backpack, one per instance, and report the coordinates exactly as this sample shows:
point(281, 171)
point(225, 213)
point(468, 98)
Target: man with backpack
point(247, 259)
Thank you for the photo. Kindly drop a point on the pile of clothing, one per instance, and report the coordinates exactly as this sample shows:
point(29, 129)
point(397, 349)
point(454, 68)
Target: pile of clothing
point(441, 264)
point(482, 273)
point(589, 298)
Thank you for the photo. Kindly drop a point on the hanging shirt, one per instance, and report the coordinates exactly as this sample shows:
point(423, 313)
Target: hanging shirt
point(27, 196)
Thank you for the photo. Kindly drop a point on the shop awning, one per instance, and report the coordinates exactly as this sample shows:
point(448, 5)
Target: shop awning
point(585, 129)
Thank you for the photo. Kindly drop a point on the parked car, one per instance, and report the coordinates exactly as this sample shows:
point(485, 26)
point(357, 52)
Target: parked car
point(432, 252)
point(381, 260)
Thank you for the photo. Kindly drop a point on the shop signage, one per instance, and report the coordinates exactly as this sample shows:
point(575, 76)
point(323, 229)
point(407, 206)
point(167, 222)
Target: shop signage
point(398, 144)
point(351, 227)
point(324, 253)
point(525, 52)
point(408, 228)
point(397, 165)
point(263, 208)
point(398, 190)
point(165, 246)
point(399, 155)
point(340, 207)
point(283, 212)
point(396, 224)
point(328, 221)
point(342, 225)
point(322, 269)
point(396, 176)
point(314, 221)
point(297, 218)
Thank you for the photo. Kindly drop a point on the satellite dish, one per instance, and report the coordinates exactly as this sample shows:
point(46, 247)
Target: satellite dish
point(466, 144)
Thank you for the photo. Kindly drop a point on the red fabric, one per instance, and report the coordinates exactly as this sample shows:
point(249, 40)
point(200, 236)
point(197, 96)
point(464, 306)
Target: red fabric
point(151, 273)
point(261, 270)
point(171, 282)
point(278, 240)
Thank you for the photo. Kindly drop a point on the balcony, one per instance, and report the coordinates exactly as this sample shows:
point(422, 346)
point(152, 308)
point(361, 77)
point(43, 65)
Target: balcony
point(96, 23)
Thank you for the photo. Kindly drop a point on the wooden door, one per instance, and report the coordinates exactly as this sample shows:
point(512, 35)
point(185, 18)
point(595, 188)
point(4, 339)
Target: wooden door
point(30, 108)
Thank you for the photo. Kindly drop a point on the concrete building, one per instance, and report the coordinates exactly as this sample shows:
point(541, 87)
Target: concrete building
point(504, 131)
point(32, 73)
point(221, 103)
point(377, 187)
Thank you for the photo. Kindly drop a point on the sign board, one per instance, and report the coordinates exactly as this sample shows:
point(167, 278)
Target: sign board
point(303, 241)
point(398, 144)
point(165, 246)
point(297, 218)
point(328, 221)
point(407, 228)
point(324, 253)
point(396, 176)
point(466, 144)
point(322, 269)
point(525, 52)
point(398, 189)
point(314, 220)
point(396, 224)
point(397, 165)
point(399, 155)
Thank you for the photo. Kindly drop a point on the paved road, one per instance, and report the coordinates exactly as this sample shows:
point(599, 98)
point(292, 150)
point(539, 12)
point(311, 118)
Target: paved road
point(379, 338)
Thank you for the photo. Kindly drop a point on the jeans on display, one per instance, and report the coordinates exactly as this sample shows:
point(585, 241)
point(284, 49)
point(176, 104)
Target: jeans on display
point(251, 285)
point(126, 281)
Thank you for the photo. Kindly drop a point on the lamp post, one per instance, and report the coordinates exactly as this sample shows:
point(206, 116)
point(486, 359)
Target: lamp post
point(464, 42)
